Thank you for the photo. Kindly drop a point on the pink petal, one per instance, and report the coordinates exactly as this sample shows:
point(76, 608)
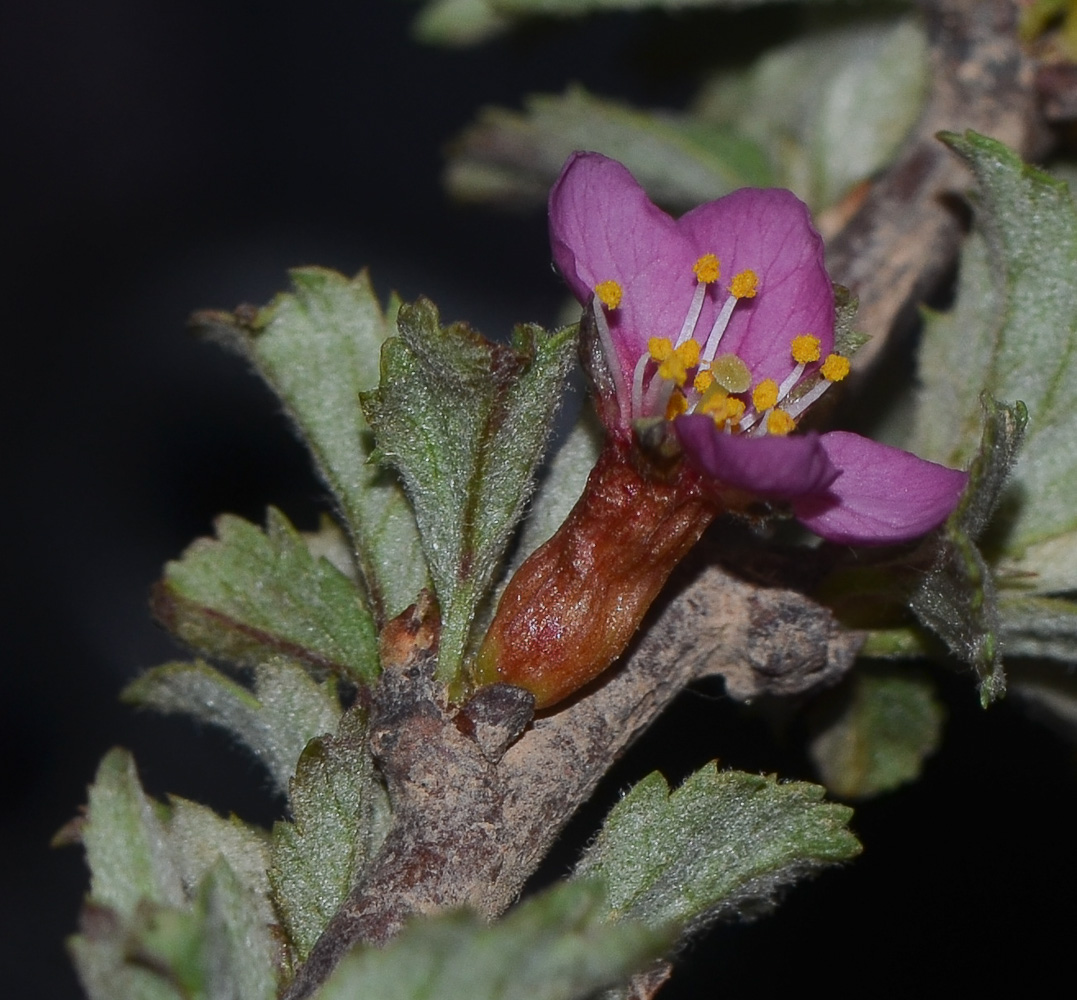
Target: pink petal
point(770, 232)
point(882, 494)
point(777, 468)
point(604, 227)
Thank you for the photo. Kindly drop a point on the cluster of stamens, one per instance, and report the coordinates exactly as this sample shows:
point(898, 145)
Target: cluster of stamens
point(686, 375)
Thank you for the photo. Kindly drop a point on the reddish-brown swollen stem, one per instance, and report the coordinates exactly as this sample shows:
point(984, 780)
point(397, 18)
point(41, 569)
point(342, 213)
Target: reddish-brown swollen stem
point(574, 605)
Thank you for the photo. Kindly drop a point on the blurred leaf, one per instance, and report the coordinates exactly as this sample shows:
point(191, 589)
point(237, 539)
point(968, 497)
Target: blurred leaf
point(830, 108)
point(1040, 627)
point(276, 720)
point(724, 842)
point(1048, 692)
point(467, 22)
point(249, 594)
point(318, 348)
point(555, 946)
point(127, 847)
point(465, 421)
point(875, 731)
point(512, 158)
point(1013, 333)
point(199, 838)
point(167, 917)
point(339, 813)
point(957, 597)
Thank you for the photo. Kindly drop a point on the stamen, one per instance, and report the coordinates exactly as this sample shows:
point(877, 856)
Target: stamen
point(744, 285)
point(677, 405)
point(637, 385)
point(723, 409)
point(834, 369)
point(673, 363)
point(720, 323)
point(613, 362)
point(765, 395)
point(703, 381)
point(706, 271)
point(609, 293)
point(805, 351)
point(779, 423)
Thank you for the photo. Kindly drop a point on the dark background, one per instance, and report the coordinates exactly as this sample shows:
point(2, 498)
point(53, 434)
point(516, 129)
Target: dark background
point(161, 157)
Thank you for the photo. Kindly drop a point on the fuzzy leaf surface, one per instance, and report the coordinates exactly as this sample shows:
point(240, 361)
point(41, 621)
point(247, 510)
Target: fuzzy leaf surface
point(286, 709)
point(317, 347)
point(126, 841)
point(249, 594)
point(465, 422)
point(724, 841)
point(957, 598)
point(200, 838)
point(1013, 333)
point(511, 158)
point(879, 727)
point(339, 812)
point(555, 946)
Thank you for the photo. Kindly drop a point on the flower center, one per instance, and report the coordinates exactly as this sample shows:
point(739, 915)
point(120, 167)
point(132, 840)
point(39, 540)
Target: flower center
point(687, 375)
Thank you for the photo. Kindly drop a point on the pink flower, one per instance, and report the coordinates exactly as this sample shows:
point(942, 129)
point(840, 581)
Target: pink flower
point(722, 322)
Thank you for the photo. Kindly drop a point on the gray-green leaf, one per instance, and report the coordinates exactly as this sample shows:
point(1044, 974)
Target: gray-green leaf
point(339, 813)
point(126, 841)
point(318, 349)
point(829, 108)
point(957, 598)
point(249, 594)
point(510, 158)
point(465, 421)
point(286, 709)
point(723, 842)
point(1013, 333)
point(874, 733)
point(556, 946)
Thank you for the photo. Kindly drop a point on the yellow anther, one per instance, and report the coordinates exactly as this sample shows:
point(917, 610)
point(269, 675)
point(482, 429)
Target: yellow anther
point(722, 409)
point(744, 285)
point(688, 353)
point(765, 395)
point(779, 423)
point(676, 406)
point(805, 349)
point(660, 348)
point(731, 373)
point(706, 269)
point(609, 294)
point(835, 368)
point(703, 381)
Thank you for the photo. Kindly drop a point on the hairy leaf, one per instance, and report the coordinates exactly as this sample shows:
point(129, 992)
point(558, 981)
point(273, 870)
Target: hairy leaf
point(339, 812)
point(957, 597)
point(317, 347)
point(512, 158)
point(1013, 333)
point(723, 842)
point(875, 731)
point(276, 720)
point(126, 841)
point(465, 422)
point(167, 916)
point(248, 594)
point(556, 946)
